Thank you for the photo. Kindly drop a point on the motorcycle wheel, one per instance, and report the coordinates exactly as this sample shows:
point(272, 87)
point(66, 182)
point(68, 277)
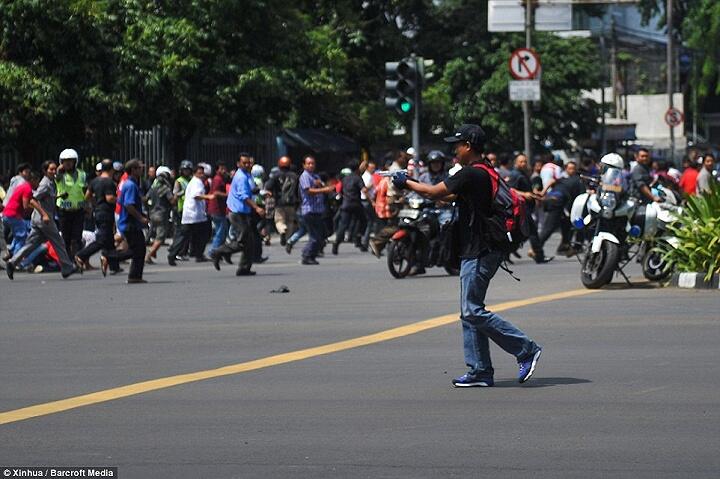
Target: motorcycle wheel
point(598, 268)
point(654, 267)
point(452, 271)
point(400, 257)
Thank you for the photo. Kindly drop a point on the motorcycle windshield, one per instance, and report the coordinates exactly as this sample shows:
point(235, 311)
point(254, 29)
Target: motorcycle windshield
point(613, 180)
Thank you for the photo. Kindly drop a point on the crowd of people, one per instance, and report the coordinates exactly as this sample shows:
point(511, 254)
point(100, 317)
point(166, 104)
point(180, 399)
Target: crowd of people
point(58, 219)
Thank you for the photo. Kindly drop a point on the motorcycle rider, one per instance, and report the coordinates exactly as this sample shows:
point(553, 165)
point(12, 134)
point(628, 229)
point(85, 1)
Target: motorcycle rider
point(472, 188)
point(435, 174)
point(641, 179)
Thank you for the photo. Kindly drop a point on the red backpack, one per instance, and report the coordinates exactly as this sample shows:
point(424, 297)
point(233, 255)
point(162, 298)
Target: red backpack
point(507, 228)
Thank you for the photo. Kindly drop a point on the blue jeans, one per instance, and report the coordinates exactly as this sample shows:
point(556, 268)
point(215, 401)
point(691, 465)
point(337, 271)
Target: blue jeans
point(221, 226)
point(315, 225)
point(479, 324)
point(20, 229)
point(299, 233)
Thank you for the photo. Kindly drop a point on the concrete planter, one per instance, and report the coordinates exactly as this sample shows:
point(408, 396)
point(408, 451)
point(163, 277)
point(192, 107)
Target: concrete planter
point(694, 281)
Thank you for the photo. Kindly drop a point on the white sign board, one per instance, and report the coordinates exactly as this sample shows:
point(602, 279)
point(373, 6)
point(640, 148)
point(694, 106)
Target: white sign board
point(509, 16)
point(524, 90)
point(553, 18)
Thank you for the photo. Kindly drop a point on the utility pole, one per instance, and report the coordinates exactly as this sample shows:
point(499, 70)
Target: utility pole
point(526, 104)
point(670, 73)
point(603, 133)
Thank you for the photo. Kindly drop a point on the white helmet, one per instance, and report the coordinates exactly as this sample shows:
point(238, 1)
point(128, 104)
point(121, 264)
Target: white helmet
point(257, 171)
point(163, 170)
point(614, 160)
point(68, 154)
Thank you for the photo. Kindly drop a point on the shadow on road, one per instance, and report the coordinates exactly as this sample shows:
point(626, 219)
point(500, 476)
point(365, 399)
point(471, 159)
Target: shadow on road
point(639, 284)
point(541, 382)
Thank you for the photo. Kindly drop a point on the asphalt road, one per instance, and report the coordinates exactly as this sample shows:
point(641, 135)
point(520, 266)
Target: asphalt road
point(627, 385)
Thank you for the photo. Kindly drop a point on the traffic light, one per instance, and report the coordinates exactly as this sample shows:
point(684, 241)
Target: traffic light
point(401, 85)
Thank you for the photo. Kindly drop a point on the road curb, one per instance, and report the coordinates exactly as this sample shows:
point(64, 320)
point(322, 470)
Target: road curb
point(694, 281)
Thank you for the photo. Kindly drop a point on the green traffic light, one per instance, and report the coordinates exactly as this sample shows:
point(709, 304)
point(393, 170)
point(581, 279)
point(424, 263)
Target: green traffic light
point(405, 106)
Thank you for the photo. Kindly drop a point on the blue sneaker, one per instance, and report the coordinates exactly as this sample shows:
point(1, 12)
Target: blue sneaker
point(527, 367)
point(467, 380)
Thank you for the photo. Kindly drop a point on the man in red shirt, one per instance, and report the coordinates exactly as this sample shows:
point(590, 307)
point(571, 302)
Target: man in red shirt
point(688, 180)
point(16, 210)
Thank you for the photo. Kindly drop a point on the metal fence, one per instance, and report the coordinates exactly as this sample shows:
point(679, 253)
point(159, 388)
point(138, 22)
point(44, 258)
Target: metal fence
point(153, 147)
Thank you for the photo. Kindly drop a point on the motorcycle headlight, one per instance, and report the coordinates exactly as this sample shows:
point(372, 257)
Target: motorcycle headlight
point(415, 203)
point(608, 201)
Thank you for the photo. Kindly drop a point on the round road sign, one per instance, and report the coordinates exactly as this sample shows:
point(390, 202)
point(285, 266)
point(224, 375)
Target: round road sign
point(524, 64)
point(674, 117)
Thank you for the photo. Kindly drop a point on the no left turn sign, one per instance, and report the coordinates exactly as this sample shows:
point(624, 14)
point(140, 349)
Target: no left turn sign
point(524, 64)
point(674, 117)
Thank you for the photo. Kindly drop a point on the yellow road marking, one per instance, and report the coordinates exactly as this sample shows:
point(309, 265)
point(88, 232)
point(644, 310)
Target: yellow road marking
point(162, 383)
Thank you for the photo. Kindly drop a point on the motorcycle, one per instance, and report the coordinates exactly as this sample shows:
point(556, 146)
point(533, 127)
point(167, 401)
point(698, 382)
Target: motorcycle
point(621, 229)
point(419, 236)
point(654, 267)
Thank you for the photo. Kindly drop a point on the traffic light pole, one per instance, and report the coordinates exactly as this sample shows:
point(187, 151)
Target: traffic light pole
point(418, 105)
point(526, 104)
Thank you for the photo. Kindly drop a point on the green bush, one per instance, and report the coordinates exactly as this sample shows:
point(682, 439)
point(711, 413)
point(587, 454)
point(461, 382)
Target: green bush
point(698, 234)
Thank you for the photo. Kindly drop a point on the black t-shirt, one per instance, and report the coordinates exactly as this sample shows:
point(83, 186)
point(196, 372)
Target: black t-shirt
point(474, 190)
point(100, 187)
point(352, 185)
point(565, 190)
point(640, 176)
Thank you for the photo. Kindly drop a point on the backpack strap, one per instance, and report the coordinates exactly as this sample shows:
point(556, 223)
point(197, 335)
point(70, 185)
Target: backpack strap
point(494, 177)
point(504, 266)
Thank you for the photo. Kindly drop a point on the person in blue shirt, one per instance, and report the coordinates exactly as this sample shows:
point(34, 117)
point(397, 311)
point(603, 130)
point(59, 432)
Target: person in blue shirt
point(130, 224)
point(241, 205)
point(312, 193)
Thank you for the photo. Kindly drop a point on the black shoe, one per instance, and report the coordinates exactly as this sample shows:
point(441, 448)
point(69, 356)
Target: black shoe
point(116, 271)
point(261, 260)
point(362, 248)
point(215, 258)
point(228, 259)
point(244, 272)
point(283, 240)
point(288, 248)
point(543, 260)
point(136, 281)
point(201, 259)
point(309, 261)
point(74, 270)
point(171, 260)
point(335, 248)
point(10, 270)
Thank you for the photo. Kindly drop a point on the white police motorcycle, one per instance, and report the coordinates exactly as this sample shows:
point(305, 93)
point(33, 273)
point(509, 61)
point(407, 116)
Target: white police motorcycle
point(615, 219)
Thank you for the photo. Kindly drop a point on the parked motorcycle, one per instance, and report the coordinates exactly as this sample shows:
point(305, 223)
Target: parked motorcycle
point(419, 237)
point(622, 229)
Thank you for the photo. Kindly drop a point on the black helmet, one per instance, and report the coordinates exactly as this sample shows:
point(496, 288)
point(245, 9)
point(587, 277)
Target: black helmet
point(436, 155)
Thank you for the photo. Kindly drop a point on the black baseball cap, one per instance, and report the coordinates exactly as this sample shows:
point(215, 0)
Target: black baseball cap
point(473, 134)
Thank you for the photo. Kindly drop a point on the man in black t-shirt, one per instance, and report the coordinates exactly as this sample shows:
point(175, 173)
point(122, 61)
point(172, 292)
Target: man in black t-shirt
point(351, 207)
point(101, 194)
point(472, 188)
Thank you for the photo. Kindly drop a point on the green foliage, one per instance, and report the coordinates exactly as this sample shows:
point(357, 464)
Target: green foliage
point(698, 235)
point(74, 68)
point(477, 86)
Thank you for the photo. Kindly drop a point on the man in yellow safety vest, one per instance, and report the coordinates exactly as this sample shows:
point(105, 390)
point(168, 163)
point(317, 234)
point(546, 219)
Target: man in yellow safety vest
point(71, 184)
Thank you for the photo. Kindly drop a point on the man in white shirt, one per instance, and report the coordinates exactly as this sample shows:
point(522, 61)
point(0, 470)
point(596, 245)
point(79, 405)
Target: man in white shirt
point(194, 217)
